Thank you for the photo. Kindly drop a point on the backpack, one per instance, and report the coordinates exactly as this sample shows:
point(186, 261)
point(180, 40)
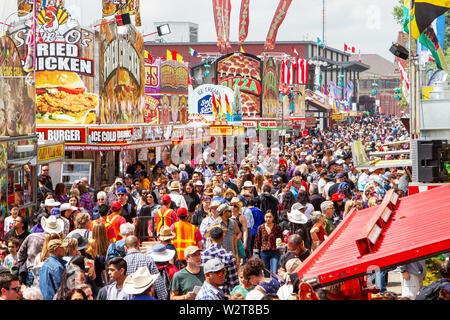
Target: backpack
point(116, 252)
point(431, 292)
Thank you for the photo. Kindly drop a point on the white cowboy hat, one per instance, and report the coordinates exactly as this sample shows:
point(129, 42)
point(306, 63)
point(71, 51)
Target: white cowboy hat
point(296, 216)
point(160, 253)
point(52, 224)
point(52, 203)
point(139, 281)
point(297, 206)
point(248, 184)
point(198, 183)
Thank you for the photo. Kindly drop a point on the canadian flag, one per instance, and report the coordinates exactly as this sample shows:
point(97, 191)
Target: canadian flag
point(349, 48)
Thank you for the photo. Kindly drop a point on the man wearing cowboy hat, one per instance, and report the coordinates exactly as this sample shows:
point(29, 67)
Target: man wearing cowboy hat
point(51, 272)
point(186, 280)
point(163, 257)
point(140, 284)
point(212, 219)
point(135, 259)
point(175, 195)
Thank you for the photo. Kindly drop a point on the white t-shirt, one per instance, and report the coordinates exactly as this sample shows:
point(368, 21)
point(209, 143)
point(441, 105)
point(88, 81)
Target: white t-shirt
point(9, 223)
point(285, 291)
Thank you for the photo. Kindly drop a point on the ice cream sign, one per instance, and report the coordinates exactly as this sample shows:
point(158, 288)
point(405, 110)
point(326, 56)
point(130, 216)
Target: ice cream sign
point(200, 99)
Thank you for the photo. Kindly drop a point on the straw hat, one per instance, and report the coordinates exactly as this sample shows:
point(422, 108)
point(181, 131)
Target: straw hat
point(140, 281)
point(52, 224)
point(174, 185)
point(298, 217)
point(166, 234)
point(248, 184)
point(160, 253)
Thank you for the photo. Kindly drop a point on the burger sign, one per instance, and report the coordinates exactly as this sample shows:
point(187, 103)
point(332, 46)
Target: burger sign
point(64, 69)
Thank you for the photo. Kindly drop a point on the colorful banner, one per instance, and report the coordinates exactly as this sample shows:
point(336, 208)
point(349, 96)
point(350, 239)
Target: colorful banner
point(278, 18)
point(243, 70)
point(174, 92)
point(218, 7)
point(270, 103)
point(3, 179)
point(65, 71)
point(17, 107)
point(25, 7)
point(226, 22)
point(152, 90)
point(244, 20)
point(122, 77)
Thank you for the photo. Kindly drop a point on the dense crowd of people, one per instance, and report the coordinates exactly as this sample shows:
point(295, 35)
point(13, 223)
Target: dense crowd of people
point(222, 231)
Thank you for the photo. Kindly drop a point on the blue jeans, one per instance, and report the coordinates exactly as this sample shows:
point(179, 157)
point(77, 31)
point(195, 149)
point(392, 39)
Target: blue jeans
point(270, 260)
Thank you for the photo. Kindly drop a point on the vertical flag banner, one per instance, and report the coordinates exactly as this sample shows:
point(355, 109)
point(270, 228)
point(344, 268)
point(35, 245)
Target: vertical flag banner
point(303, 71)
point(226, 21)
point(405, 79)
point(244, 19)
point(227, 105)
point(278, 18)
point(219, 21)
point(214, 104)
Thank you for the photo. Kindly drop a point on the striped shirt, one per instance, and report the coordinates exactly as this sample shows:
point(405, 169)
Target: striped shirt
point(136, 259)
point(217, 251)
point(209, 292)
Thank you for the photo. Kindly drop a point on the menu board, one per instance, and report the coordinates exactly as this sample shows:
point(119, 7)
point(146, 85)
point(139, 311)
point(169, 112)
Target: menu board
point(17, 117)
point(270, 101)
point(243, 70)
point(122, 75)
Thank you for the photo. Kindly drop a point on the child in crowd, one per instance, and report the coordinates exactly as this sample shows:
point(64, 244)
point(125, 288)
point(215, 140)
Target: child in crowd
point(11, 259)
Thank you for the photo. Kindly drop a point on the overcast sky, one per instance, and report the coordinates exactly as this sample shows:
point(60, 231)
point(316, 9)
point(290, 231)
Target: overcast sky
point(368, 25)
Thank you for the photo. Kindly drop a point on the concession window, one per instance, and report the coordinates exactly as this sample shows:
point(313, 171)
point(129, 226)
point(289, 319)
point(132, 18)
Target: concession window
point(396, 232)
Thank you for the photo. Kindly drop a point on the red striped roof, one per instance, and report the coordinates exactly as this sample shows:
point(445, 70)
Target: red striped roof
point(417, 228)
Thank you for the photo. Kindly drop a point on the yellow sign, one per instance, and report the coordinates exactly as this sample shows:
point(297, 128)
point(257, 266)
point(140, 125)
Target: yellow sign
point(221, 130)
point(426, 92)
point(52, 152)
point(336, 116)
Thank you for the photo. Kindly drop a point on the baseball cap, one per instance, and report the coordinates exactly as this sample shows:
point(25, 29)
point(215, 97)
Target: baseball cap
point(191, 250)
point(182, 212)
point(116, 206)
point(213, 265)
point(121, 190)
point(166, 199)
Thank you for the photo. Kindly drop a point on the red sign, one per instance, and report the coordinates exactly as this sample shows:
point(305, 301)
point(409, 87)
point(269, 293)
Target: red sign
point(68, 135)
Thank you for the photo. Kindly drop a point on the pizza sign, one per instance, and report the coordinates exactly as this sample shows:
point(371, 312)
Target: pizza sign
point(242, 70)
point(246, 85)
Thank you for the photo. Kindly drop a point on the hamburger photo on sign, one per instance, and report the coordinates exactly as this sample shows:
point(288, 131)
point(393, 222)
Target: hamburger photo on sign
point(61, 97)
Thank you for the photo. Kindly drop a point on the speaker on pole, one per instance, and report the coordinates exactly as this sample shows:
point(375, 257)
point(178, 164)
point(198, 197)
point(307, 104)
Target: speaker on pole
point(399, 51)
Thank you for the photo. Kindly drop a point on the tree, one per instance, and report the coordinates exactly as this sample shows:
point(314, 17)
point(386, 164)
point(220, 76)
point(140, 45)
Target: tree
point(397, 12)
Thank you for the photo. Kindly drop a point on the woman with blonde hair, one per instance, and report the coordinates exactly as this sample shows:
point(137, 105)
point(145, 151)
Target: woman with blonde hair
point(71, 249)
point(97, 248)
point(349, 205)
point(259, 182)
point(42, 256)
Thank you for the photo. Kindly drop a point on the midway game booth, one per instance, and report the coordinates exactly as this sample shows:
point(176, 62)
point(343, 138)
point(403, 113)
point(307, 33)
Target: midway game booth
point(18, 141)
point(379, 238)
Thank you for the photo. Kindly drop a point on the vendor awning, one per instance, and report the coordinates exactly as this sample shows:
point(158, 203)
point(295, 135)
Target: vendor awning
point(396, 232)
